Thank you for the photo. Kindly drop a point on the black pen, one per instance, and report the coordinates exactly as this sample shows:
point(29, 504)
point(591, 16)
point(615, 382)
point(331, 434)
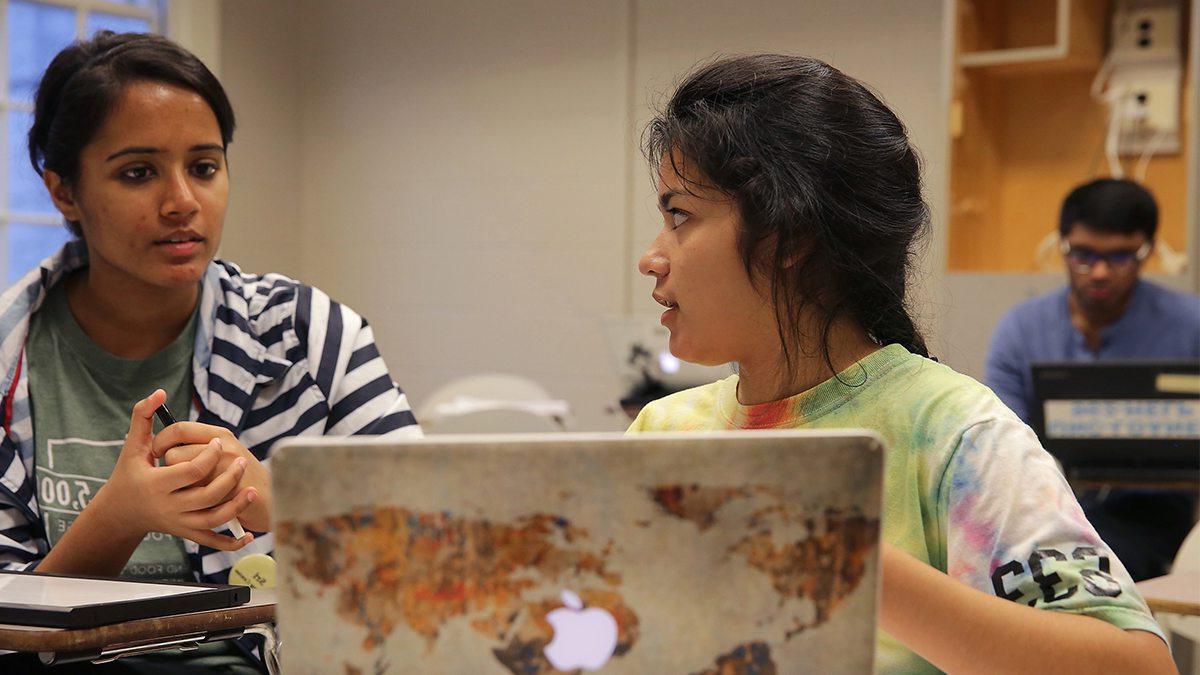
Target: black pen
point(167, 419)
point(164, 415)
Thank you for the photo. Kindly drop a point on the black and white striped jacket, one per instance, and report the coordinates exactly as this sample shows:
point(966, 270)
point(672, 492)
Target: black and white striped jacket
point(273, 358)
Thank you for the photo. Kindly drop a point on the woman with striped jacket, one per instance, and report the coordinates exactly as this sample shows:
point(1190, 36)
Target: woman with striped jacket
point(129, 135)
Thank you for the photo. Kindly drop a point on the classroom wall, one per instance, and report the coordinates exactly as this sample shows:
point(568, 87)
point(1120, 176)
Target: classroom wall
point(462, 185)
point(465, 174)
point(260, 49)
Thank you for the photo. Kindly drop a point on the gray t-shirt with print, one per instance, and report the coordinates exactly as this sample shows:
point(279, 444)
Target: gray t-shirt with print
point(82, 397)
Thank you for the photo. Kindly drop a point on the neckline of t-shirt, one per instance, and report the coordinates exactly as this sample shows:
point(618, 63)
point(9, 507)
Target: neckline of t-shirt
point(98, 360)
point(813, 403)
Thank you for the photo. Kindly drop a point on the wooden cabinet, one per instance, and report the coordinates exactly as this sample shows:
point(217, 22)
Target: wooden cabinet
point(1025, 130)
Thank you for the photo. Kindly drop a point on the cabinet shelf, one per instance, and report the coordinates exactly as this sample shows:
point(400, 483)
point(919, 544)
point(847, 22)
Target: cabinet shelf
point(1031, 36)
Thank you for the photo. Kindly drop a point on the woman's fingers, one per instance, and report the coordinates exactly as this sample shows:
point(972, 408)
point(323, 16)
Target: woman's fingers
point(182, 453)
point(186, 433)
point(220, 542)
point(217, 491)
point(221, 513)
point(194, 470)
point(141, 425)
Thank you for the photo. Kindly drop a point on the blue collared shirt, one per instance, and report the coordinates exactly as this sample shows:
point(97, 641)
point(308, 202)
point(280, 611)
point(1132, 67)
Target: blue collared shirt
point(1159, 323)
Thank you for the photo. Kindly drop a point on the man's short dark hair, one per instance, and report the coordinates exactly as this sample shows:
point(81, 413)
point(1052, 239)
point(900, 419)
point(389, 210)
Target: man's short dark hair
point(1110, 205)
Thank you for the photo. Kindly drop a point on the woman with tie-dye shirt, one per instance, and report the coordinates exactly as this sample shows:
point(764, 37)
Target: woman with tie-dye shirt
point(791, 201)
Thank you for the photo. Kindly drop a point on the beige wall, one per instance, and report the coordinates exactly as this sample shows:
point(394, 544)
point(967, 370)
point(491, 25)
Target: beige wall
point(464, 174)
point(260, 48)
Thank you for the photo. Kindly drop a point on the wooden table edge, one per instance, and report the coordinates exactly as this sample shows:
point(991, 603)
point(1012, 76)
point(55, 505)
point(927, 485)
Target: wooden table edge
point(59, 640)
point(1173, 607)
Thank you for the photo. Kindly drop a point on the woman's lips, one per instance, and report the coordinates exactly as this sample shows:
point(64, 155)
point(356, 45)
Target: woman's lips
point(181, 249)
point(671, 307)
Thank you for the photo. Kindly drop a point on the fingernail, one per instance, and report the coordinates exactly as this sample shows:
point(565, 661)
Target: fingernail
point(252, 496)
point(216, 442)
point(240, 462)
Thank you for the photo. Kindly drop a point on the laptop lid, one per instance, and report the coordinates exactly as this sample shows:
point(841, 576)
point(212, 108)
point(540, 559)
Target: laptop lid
point(718, 552)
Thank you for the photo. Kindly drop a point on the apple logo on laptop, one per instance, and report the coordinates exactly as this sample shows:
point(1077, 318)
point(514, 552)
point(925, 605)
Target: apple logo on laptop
point(583, 638)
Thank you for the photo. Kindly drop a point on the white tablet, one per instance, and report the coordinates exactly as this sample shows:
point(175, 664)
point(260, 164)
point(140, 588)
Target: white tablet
point(80, 602)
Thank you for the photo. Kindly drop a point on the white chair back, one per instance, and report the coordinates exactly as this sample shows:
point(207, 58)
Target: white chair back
point(1188, 557)
point(492, 403)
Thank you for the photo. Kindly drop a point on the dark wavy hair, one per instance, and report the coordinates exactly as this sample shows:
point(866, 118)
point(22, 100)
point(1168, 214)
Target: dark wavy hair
point(83, 82)
point(826, 184)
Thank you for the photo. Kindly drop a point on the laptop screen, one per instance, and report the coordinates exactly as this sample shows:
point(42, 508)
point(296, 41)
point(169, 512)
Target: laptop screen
point(1119, 414)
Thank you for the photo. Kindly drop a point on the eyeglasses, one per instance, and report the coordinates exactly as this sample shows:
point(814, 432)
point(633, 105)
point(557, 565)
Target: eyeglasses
point(1082, 260)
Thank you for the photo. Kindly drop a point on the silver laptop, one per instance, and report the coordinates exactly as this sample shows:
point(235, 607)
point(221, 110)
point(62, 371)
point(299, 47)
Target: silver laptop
point(731, 552)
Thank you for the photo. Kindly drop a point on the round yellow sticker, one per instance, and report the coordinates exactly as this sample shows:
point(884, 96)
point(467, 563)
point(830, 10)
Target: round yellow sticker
point(256, 570)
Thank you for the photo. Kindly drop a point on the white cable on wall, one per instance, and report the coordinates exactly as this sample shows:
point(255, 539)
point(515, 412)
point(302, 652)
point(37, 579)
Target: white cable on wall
point(1143, 165)
point(1111, 99)
point(1173, 262)
point(1112, 141)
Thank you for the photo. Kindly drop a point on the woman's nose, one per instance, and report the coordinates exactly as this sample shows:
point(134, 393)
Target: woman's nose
point(180, 201)
point(653, 262)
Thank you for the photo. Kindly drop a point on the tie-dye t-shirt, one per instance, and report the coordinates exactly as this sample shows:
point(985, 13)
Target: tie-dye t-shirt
point(967, 488)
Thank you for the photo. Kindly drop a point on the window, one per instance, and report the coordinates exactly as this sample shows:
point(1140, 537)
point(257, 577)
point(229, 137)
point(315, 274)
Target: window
point(33, 31)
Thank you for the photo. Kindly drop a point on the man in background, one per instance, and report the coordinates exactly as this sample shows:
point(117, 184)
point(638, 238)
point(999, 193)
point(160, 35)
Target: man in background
point(1106, 311)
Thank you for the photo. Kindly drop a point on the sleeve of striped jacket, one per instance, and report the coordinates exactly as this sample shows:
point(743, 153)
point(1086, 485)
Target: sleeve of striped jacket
point(363, 398)
point(21, 546)
point(18, 544)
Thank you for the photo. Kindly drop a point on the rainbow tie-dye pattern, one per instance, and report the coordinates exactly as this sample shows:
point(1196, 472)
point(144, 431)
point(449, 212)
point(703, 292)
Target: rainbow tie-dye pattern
point(968, 488)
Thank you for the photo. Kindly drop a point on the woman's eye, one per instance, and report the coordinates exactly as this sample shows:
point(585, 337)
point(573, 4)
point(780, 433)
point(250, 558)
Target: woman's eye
point(205, 169)
point(678, 218)
point(136, 173)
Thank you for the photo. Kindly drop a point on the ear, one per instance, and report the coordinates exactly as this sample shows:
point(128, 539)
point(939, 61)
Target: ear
point(62, 195)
